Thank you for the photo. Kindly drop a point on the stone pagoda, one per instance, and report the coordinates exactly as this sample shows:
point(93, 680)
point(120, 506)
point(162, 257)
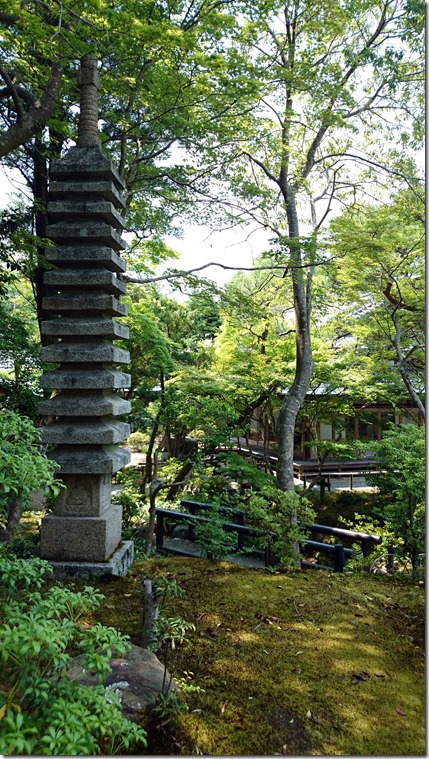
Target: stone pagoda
point(82, 537)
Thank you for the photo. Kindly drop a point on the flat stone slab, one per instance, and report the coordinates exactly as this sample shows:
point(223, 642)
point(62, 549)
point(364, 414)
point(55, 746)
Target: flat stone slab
point(105, 460)
point(95, 432)
point(86, 278)
point(59, 210)
point(106, 190)
point(86, 254)
point(85, 352)
point(86, 163)
point(80, 404)
point(80, 379)
point(137, 677)
point(106, 304)
point(117, 565)
point(86, 231)
point(91, 326)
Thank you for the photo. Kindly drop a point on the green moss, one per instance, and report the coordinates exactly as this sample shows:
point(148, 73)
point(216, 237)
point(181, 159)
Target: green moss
point(300, 663)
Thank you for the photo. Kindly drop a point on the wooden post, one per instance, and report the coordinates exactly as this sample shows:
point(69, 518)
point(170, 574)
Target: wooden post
point(159, 530)
point(339, 558)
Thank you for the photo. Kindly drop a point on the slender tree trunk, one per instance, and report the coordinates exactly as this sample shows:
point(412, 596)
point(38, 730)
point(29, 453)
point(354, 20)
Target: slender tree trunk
point(14, 513)
point(154, 488)
point(396, 342)
point(295, 396)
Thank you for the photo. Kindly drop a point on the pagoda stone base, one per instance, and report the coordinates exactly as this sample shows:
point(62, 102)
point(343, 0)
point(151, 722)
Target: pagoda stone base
point(117, 566)
point(73, 538)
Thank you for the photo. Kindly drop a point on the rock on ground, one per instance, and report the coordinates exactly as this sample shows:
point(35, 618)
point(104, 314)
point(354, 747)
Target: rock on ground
point(137, 677)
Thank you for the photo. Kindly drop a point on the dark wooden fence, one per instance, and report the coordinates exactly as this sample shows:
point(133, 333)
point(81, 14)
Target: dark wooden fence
point(337, 552)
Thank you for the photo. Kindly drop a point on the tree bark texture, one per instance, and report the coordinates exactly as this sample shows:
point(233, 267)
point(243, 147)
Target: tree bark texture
point(37, 115)
point(294, 398)
point(151, 603)
point(14, 513)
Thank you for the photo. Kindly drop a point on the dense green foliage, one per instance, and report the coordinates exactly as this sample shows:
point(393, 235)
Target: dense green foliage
point(44, 711)
point(401, 454)
point(23, 470)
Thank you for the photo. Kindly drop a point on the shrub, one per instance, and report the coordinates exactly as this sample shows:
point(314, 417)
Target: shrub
point(138, 441)
point(401, 454)
point(214, 542)
point(42, 710)
point(276, 511)
point(23, 470)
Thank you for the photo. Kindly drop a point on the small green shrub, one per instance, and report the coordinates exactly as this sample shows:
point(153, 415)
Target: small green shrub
point(42, 710)
point(137, 441)
point(276, 511)
point(214, 542)
point(134, 506)
point(401, 456)
point(23, 470)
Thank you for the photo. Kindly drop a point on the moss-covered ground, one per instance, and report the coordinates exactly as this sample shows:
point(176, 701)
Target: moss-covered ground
point(305, 663)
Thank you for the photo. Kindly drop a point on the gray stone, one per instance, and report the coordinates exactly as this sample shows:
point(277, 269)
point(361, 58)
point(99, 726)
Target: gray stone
point(86, 163)
point(108, 304)
point(106, 280)
point(117, 565)
point(84, 495)
point(91, 326)
point(105, 460)
point(137, 677)
point(84, 352)
point(90, 231)
point(72, 538)
point(87, 254)
point(59, 210)
point(37, 501)
point(93, 432)
point(106, 190)
point(79, 404)
point(80, 379)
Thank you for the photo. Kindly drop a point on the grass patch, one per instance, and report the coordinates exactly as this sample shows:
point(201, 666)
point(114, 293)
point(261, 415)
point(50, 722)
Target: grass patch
point(301, 663)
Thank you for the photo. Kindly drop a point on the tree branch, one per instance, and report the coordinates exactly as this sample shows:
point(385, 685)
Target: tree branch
point(179, 274)
point(39, 113)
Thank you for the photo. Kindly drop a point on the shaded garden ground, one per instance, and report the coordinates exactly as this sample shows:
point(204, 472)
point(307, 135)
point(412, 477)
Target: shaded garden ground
point(294, 663)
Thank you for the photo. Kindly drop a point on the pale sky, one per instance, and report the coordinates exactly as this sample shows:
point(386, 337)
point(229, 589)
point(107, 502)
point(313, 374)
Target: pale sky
point(199, 245)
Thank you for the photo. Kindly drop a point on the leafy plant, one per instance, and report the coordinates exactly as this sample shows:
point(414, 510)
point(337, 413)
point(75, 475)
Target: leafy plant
point(371, 526)
point(43, 711)
point(276, 511)
point(168, 632)
point(23, 470)
point(134, 505)
point(137, 440)
point(215, 543)
point(401, 457)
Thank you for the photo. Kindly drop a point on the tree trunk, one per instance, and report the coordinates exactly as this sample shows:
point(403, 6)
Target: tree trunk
point(12, 521)
point(396, 342)
point(151, 602)
point(154, 488)
point(294, 398)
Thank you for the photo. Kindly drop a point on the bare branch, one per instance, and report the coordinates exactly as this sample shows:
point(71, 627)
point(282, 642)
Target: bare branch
point(177, 274)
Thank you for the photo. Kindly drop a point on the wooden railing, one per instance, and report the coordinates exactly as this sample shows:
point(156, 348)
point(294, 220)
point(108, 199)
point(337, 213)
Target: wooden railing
point(338, 552)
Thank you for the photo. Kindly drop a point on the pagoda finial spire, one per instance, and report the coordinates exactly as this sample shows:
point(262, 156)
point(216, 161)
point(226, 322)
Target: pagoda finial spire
point(89, 82)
